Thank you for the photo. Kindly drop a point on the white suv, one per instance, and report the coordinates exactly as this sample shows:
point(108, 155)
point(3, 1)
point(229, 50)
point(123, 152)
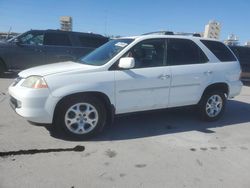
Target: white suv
point(128, 75)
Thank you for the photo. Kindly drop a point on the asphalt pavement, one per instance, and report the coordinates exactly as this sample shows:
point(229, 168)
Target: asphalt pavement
point(167, 148)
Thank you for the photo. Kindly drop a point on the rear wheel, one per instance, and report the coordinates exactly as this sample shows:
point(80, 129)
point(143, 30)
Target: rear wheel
point(81, 117)
point(212, 105)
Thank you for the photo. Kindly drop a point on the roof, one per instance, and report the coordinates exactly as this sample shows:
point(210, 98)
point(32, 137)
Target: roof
point(61, 31)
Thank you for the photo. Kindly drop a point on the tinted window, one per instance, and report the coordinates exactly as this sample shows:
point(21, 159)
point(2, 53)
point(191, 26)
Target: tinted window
point(219, 50)
point(91, 42)
point(184, 51)
point(149, 53)
point(32, 38)
point(242, 53)
point(58, 39)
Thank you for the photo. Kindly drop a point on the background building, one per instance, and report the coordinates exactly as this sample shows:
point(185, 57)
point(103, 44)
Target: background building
point(66, 23)
point(232, 40)
point(247, 43)
point(201, 34)
point(212, 30)
point(7, 35)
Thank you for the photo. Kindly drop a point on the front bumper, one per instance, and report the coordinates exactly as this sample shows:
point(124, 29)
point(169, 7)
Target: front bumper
point(36, 105)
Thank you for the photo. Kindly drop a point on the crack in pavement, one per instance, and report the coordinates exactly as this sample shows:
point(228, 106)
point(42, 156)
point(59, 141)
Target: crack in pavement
point(35, 151)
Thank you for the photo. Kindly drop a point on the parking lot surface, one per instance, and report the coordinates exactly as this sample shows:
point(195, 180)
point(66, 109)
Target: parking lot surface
point(167, 148)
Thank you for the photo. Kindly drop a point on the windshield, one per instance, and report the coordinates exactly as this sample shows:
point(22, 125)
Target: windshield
point(106, 52)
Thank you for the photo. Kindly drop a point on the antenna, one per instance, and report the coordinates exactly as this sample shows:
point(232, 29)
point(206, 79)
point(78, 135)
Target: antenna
point(9, 32)
point(106, 22)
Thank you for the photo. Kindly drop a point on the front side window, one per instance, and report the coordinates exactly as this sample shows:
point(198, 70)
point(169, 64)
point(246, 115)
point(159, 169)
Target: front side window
point(219, 50)
point(32, 38)
point(184, 52)
point(106, 52)
point(148, 53)
point(57, 39)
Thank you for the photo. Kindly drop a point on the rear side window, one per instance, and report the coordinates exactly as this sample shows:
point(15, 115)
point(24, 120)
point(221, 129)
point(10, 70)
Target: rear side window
point(184, 52)
point(91, 42)
point(219, 50)
point(57, 39)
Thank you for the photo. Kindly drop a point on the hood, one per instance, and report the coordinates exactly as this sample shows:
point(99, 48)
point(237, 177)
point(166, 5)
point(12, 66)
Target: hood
point(55, 68)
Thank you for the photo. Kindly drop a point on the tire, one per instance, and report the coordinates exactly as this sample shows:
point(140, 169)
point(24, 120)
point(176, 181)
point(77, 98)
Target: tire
point(81, 117)
point(212, 105)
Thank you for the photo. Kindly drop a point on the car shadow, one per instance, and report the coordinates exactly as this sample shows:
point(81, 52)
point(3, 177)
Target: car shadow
point(163, 122)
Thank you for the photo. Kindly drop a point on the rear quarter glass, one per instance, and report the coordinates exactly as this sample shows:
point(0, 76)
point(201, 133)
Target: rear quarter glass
point(220, 50)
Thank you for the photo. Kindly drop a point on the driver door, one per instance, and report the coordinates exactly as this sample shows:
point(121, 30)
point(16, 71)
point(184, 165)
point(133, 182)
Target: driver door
point(147, 85)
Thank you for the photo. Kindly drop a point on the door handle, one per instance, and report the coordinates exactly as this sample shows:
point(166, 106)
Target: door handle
point(208, 72)
point(164, 76)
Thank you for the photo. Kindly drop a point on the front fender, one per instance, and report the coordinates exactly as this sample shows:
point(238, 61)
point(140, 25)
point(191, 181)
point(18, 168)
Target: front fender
point(67, 84)
point(67, 90)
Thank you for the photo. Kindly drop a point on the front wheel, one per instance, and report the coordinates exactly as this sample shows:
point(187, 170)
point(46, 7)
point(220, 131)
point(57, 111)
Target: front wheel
point(212, 106)
point(81, 117)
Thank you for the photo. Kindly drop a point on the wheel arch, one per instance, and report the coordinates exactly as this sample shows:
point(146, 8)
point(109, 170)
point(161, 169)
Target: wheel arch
point(220, 86)
point(102, 96)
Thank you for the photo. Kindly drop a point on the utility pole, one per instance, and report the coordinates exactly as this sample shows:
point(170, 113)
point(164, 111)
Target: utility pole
point(8, 34)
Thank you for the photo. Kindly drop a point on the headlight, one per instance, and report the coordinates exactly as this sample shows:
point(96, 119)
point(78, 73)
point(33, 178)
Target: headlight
point(35, 82)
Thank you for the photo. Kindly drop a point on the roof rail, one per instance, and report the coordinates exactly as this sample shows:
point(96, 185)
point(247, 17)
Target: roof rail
point(160, 33)
point(188, 34)
point(172, 33)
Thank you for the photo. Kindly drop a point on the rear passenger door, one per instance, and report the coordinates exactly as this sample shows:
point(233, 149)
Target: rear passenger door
point(190, 70)
point(57, 47)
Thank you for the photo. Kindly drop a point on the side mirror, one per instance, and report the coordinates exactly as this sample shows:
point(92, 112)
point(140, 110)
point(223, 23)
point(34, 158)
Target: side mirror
point(126, 63)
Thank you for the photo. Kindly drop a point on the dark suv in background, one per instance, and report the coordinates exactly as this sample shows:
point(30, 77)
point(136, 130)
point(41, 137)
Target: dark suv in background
point(39, 47)
point(243, 54)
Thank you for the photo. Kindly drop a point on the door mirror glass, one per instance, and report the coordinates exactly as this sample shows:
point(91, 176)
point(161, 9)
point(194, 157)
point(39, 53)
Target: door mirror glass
point(126, 63)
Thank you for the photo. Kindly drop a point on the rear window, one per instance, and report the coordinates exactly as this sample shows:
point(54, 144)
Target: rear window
point(219, 50)
point(91, 42)
point(57, 39)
